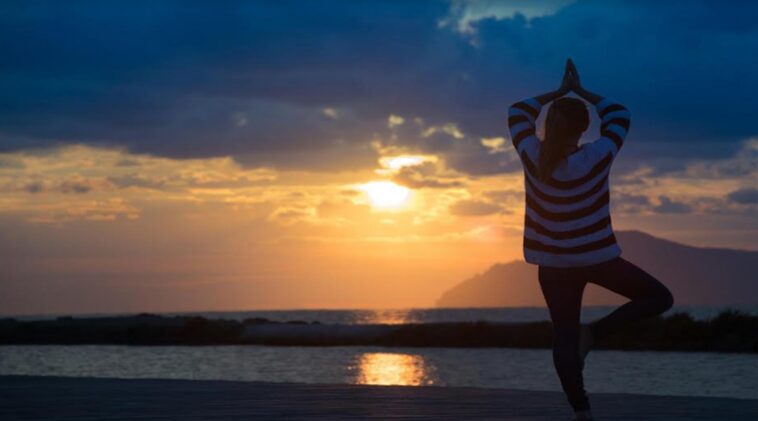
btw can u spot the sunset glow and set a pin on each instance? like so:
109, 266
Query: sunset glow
386, 194
359, 160
385, 368
397, 162
302, 199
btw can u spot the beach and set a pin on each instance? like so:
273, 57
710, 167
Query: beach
62, 398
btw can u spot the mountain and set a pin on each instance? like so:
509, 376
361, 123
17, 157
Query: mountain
695, 275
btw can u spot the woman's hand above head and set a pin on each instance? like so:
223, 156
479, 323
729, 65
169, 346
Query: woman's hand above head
576, 84
565, 88
573, 75
569, 81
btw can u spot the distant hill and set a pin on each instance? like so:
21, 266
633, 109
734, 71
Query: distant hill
695, 275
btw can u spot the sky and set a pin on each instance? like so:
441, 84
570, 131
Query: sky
179, 156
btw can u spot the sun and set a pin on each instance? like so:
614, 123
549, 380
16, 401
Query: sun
386, 194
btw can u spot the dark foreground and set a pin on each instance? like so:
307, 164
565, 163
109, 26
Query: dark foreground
65, 398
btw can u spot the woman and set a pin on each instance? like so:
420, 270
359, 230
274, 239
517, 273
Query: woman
567, 224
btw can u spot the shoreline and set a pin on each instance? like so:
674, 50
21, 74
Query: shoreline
731, 331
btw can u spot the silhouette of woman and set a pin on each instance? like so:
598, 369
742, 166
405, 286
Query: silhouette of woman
567, 224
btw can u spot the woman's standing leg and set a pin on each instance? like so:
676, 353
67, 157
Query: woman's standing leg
563, 295
649, 297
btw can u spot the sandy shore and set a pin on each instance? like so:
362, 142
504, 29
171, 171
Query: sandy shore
66, 398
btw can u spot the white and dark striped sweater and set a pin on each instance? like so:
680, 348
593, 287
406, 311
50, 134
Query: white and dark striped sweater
567, 221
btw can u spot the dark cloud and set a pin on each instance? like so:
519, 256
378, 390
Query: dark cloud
136, 180
631, 199
73, 186
629, 203
77, 186
127, 162
11, 163
473, 208
669, 206
502, 196
423, 176
747, 195
250, 79
34, 187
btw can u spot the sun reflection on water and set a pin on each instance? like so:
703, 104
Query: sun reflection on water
385, 368
390, 317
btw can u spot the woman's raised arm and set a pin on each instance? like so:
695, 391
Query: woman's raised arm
522, 115
615, 118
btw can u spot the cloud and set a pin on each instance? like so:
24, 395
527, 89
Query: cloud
425, 175
742, 164
138, 180
474, 208
505, 195
667, 205
494, 144
36, 185
460, 151
10, 163
330, 113
394, 120
195, 79
292, 215
465, 14
746, 195
92, 210
630, 203
77, 182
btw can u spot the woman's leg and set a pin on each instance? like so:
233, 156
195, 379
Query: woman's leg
563, 295
649, 297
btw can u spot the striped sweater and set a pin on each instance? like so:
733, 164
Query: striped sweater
567, 219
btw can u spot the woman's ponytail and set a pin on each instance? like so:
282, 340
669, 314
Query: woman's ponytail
566, 120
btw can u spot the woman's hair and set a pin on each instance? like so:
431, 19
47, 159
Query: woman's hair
566, 120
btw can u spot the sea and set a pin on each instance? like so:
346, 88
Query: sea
646, 372
410, 315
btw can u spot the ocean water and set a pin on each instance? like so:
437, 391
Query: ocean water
420, 315
646, 372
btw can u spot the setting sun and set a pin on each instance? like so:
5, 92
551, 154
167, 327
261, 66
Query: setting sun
386, 194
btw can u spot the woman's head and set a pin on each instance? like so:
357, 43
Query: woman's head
566, 120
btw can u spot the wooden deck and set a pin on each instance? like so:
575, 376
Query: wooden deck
64, 398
